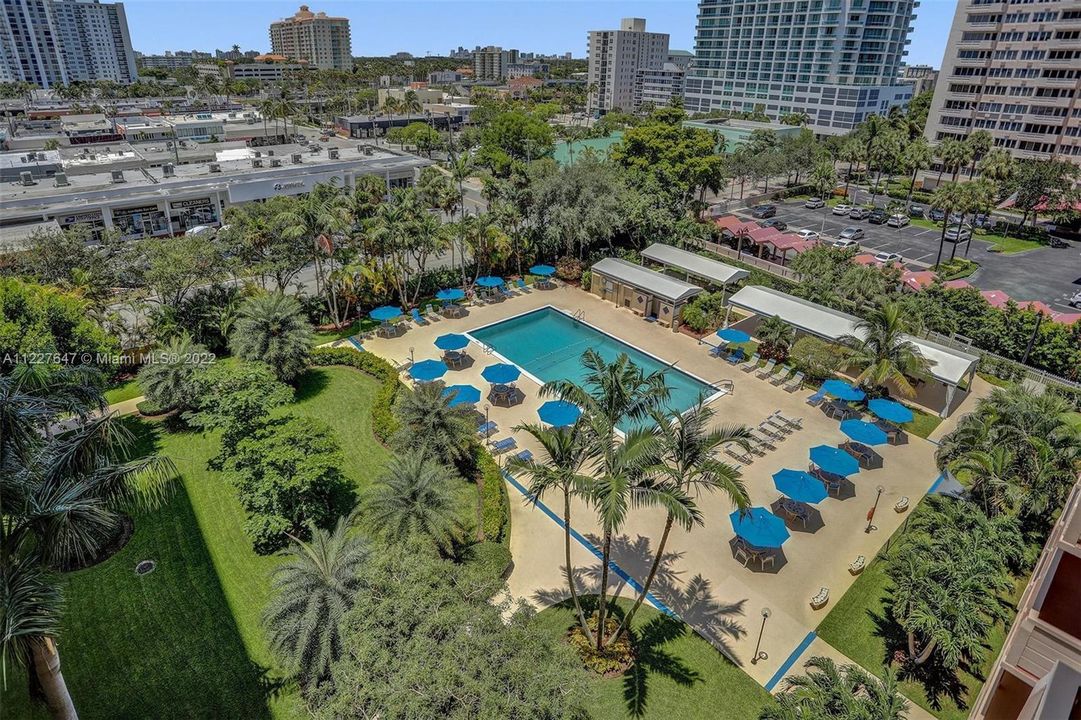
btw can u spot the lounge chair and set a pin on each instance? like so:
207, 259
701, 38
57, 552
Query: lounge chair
506, 292
779, 376
503, 445
777, 424
751, 364
771, 432
819, 601
757, 448
431, 312
415, 314
762, 438
520, 284
486, 429
356, 344
524, 457
767, 369
794, 423
817, 398
794, 383
736, 357
857, 566
901, 505
738, 453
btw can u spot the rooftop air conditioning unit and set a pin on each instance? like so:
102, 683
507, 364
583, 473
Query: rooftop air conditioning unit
275, 162
270, 153
41, 156
167, 170
214, 168
61, 179
256, 163
296, 158
332, 153
118, 176
258, 154
27, 178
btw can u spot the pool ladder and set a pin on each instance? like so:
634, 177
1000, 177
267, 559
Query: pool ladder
579, 314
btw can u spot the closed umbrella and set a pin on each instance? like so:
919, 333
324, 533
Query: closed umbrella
451, 341
842, 390
428, 370
800, 486
462, 395
733, 335
890, 411
759, 527
385, 313
834, 460
501, 373
559, 413
863, 432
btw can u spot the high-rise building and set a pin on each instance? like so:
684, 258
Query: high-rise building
834, 60
616, 56
1013, 69
317, 38
921, 77
490, 63
55, 42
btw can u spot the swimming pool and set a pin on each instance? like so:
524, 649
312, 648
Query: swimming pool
548, 344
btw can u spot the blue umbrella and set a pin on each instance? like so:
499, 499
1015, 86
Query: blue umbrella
450, 294
489, 281
759, 527
451, 341
890, 411
733, 335
385, 313
501, 373
428, 370
544, 270
559, 413
800, 486
842, 390
834, 460
863, 432
462, 395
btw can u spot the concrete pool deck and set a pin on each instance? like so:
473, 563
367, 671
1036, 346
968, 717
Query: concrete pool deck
700, 578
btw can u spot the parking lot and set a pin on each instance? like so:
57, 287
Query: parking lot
1048, 274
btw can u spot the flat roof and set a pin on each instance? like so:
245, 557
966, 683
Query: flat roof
947, 365
694, 264
647, 280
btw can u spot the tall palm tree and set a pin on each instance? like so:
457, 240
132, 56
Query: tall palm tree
827, 691
979, 142
414, 498
949, 199
272, 328
883, 352
990, 476
430, 424
776, 337
313, 590
917, 155
955, 154
996, 165
851, 153
461, 168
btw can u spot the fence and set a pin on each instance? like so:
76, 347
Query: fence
1030, 375
748, 259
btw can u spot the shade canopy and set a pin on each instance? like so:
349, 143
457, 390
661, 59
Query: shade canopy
842, 390
759, 527
863, 432
733, 335
559, 413
451, 341
462, 395
890, 411
648, 281
501, 373
800, 486
428, 370
450, 294
386, 312
693, 264
489, 281
544, 270
834, 460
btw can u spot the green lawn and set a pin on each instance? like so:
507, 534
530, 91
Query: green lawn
357, 326
679, 675
999, 243
124, 391
923, 424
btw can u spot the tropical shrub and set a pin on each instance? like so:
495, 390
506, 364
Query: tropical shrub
490, 560
428, 423
817, 359
705, 312
775, 336
167, 377
495, 506
568, 268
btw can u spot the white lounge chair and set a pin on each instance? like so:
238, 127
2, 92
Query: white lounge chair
762, 438
765, 370
779, 376
770, 432
795, 423
750, 364
819, 601
738, 453
857, 566
794, 383
778, 424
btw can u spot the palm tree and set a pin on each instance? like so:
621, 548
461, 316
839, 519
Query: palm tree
997, 165
955, 154
990, 475
824, 178
285, 108
775, 336
313, 590
978, 142
167, 381
461, 168
851, 152
414, 498
268, 108
826, 691
882, 351
916, 156
430, 424
948, 199
272, 328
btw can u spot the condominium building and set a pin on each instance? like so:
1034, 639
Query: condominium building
491, 63
1038, 674
320, 40
56, 42
171, 60
1013, 69
922, 78
657, 86
615, 57
835, 60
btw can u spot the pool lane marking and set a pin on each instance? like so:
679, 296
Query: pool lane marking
790, 661
623, 574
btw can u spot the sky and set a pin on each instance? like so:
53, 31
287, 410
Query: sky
383, 27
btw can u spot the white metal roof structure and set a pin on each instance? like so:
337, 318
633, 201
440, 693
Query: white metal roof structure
646, 280
947, 365
694, 264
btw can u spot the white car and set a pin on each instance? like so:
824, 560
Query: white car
814, 203
885, 258
807, 234
897, 221
1075, 301
842, 209
845, 243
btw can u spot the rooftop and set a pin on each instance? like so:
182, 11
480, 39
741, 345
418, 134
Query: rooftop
694, 264
645, 279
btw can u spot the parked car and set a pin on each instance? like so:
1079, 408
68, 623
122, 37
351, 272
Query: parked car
1057, 242
955, 218
958, 233
774, 223
916, 211
845, 243
1075, 301
851, 233
807, 234
763, 211
897, 221
842, 209
877, 217
983, 221
858, 213
886, 258
936, 215
814, 203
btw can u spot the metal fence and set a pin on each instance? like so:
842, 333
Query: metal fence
1030, 375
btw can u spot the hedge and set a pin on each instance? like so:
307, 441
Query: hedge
384, 424
489, 559
495, 506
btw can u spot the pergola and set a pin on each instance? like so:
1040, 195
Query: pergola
694, 265
948, 366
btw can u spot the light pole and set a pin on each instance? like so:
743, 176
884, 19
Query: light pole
761, 655
487, 432
410, 356
871, 514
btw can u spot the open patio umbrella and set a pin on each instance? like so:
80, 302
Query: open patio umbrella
385, 313
543, 270
863, 432
451, 341
462, 395
834, 460
450, 295
800, 486
842, 390
428, 370
489, 281
501, 373
559, 413
890, 411
759, 527
733, 335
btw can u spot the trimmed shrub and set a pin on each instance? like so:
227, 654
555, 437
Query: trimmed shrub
149, 408
495, 506
491, 560
587, 279
815, 358
384, 424
704, 312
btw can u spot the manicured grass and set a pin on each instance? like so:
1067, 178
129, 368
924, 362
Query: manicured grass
923, 424
359, 325
994, 380
679, 675
1009, 245
124, 391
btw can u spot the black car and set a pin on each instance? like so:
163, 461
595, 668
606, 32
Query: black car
878, 217
774, 223
1056, 242
764, 211
936, 215
915, 211
858, 213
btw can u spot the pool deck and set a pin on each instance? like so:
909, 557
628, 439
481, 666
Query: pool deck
700, 578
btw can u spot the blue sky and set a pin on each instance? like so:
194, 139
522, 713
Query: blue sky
381, 27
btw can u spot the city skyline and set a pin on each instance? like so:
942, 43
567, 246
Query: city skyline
540, 26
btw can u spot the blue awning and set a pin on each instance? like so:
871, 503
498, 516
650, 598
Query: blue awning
451, 341
842, 390
385, 313
501, 373
800, 486
890, 411
462, 395
559, 413
863, 432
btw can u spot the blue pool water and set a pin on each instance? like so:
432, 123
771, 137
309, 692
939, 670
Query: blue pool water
549, 344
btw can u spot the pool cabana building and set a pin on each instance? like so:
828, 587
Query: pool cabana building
692, 265
646, 292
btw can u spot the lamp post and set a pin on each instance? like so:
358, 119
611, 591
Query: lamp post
871, 515
487, 433
757, 646
410, 356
